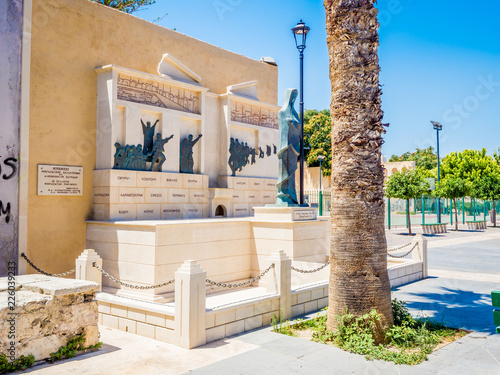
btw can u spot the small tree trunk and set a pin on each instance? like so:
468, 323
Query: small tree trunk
408, 216
494, 215
456, 214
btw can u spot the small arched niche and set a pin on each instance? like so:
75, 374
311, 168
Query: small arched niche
220, 211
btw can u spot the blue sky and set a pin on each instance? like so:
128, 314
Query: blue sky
440, 60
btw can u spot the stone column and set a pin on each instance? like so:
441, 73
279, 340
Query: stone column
282, 283
85, 269
190, 303
420, 254
11, 27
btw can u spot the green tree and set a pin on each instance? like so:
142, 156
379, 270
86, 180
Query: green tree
468, 165
407, 185
425, 159
452, 187
127, 6
317, 132
487, 187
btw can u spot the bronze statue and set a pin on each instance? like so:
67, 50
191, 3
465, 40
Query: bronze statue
289, 128
158, 149
120, 156
149, 132
186, 160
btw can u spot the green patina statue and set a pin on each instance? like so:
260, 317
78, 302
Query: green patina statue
288, 149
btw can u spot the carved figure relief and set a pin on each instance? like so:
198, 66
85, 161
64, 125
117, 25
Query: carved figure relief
139, 90
254, 115
149, 132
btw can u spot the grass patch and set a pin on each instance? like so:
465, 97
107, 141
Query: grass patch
409, 341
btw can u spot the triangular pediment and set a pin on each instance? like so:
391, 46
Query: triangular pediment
246, 89
172, 68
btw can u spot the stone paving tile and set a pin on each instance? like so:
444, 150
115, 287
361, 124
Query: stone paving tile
252, 362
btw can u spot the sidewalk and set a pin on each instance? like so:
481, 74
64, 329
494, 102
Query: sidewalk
463, 271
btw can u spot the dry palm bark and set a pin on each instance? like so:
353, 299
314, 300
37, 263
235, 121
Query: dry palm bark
359, 280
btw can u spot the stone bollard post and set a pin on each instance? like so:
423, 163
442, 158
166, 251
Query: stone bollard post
190, 303
420, 255
85, 270
282, 284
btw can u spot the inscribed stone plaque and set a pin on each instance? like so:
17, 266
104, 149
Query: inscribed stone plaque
304, 215
60, 180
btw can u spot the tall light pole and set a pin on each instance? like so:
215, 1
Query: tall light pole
300, 33
320, 159
437, 127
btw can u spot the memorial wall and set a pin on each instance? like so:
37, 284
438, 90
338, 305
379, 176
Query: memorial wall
101, 81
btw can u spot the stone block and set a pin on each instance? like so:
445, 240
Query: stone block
156, 195
270, 184
114, 177
165, 335
234, 328
171, 180
209, 320
239, 183
303, 297
251, 196
169, 322
225, 317
178, 196
127, 325
129, 195
117, 310
238, 196
268, 317
148, 212
267, 197
192, 181
145, 330
216, 333
137, 315
110, 321
240, 210
262, 307
253, 322
256, 183
148, 179
244, 312
298, 310
317, 293
171, 211
311, 306
322, 303
198, 196
106, 195
192, 211
155, 319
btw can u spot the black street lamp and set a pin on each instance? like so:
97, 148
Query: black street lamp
300, 33
438, 127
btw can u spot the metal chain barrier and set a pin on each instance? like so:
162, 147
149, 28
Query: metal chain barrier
46, 273
398, 248
405, 254
131, 286
225, 285
311, 271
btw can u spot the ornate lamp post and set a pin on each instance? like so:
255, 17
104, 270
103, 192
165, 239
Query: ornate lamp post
320, 159
300, 33
437, 127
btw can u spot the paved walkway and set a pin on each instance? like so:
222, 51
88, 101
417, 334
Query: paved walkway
463, 271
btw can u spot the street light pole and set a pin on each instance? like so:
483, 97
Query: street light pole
300, 33
438, 127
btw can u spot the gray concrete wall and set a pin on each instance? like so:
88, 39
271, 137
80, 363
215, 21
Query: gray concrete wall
11, 20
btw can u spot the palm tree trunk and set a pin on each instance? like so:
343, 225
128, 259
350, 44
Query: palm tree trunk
359, 280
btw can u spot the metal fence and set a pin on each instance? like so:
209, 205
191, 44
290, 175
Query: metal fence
422, 211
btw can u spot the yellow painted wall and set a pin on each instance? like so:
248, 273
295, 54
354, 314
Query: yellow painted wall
70, 38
